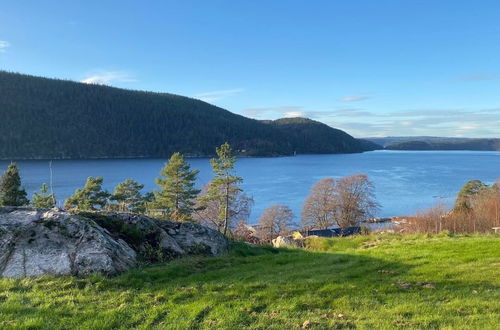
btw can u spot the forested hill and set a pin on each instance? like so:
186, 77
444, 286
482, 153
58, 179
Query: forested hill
470, 144
50, 118
437, 143
304, 131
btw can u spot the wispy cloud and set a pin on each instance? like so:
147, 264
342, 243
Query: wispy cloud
108, 77
490, 110
294, 114
353, 98
298, 111
4, 45
439, 122
217, 95
270, 112
340, 112
478, 77
406, 122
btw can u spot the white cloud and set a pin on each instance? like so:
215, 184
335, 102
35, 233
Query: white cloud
108, 77
270, 112
217, 95
299, 111
432, 122
359, 122
293, 114
353, 98
4, 45
468, 127
471, 123
406, 123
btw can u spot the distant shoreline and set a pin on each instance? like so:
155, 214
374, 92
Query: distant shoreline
239, 156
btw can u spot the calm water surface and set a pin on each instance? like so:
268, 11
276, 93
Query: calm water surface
405, 181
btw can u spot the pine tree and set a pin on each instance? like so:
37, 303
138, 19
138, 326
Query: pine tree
177, 196
223, 189
465, 198
91, 197
43, 200
128, 195
11, 192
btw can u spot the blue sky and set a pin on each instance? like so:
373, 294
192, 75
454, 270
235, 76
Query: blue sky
372, 68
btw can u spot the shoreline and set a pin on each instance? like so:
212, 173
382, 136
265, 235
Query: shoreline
14, 159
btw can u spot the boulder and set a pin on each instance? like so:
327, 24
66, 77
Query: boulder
167, 239
287, 241
34, 242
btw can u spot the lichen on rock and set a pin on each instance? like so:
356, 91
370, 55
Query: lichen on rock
34, 242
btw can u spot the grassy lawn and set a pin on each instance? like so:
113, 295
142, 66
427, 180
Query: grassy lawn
361, 282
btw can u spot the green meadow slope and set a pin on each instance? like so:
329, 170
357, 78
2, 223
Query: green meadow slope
361, 282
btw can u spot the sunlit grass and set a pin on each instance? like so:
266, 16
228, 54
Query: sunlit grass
416, 281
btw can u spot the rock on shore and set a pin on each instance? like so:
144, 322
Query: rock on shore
34, 242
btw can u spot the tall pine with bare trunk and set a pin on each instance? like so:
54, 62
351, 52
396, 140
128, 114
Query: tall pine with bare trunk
224, 188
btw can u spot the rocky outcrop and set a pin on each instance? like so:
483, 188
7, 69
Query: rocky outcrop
34, 242
167, 239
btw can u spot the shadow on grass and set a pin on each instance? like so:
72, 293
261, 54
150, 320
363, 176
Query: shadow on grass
257, 267
259, 286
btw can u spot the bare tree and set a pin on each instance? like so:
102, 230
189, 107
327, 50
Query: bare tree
209, 211
345, 202
355, 200
275, 221
245, 233
319, 208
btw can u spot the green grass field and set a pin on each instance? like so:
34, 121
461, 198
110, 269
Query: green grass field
417, 281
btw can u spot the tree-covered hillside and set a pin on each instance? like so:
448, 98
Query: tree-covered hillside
469, 144
309, 136
50, 118
436, 143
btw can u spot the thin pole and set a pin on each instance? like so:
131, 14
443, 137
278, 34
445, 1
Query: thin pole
51, 183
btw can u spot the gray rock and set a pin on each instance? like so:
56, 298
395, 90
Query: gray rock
194, 238
34, 242
171, 238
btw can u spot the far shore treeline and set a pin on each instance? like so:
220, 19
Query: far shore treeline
223, 205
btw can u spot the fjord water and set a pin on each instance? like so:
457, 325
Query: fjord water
405, 181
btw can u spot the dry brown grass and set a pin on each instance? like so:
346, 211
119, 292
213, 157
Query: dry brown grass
481, 219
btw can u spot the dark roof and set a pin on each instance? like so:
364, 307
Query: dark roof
336, 232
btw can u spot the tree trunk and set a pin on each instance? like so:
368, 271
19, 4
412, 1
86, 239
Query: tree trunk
226, 210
